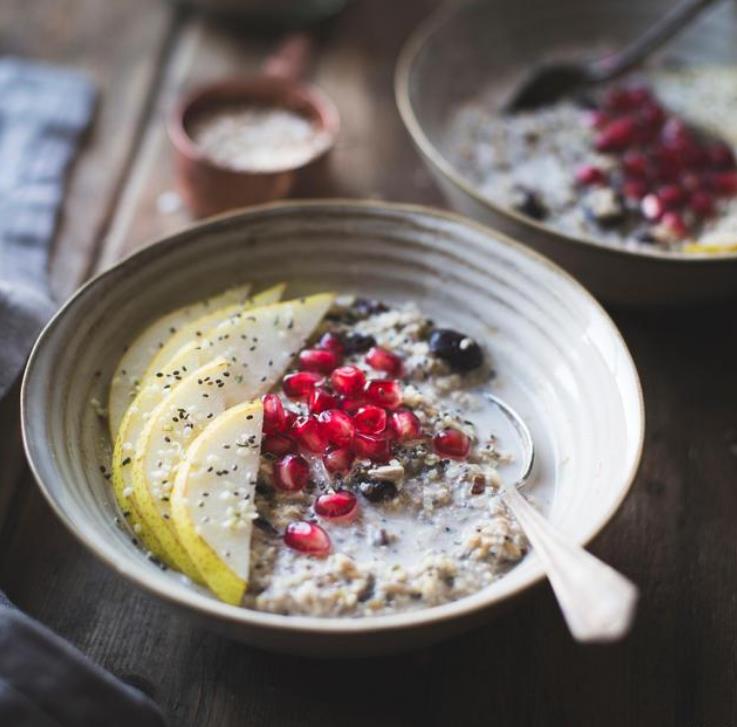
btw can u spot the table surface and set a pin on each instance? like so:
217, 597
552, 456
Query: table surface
674, 535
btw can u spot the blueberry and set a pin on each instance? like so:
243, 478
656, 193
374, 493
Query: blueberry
378, 490
366, 307
529, 203
459, 351
358, 343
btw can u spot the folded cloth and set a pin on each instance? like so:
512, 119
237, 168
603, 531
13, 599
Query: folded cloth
45, 682
43, 111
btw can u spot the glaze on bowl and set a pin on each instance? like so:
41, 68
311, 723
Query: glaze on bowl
559, 360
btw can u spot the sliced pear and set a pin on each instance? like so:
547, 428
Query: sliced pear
141, 351
213, 499
258, 345
173, 424
201, 326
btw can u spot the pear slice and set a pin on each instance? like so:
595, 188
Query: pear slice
141, 351
150, 392
213, 499
258, 345
201, 326
173, 424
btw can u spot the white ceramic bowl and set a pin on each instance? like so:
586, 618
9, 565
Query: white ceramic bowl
490, 45
560, 362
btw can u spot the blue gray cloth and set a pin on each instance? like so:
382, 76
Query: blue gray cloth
44, 681
43, 111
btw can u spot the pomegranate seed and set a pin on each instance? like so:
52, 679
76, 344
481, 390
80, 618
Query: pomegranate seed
348, 380
671, 195
369, 446
588, 175
691, 182
291, 473
652, 208
351, 405
405, 425
332, 342
652, 115
635, 164
321, 400
619, 99
384, 392
674, 222
299, 386
617, 135
307, 538
675, 131
278, 444
275, 418
382, 360
721, 156
338, 460
451, 443
319, 359
701, 203
725, 183
634, 189
338, 507
336, 427
308, 433
596, 119
370, 419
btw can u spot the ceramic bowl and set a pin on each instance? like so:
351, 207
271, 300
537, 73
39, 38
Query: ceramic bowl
559, 360
490, 45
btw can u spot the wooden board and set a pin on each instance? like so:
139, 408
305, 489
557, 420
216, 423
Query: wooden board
674, 535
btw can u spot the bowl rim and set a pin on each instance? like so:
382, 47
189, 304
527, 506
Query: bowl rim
405, 62
204, 606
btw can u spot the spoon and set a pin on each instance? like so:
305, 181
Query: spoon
548, 83
597, 602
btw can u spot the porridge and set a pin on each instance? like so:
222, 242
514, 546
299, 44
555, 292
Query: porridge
646, 164
320, 456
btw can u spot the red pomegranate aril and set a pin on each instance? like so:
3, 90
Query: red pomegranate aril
635, 164
596, 118
675, 130
370, 419
701, 204
309, 435
674, 222
291, 473
307, 538
321, 400
275, 418
671, 195
634, 189
721, 156
299, 385
338, 460
377, 448
384, 392
451, 443
589, 175
382, 360
626, 99
725, 183
278, 444
336, 427
348, 380
319, 359
617, 135
405, 425
652, 115
331, 342
652, 208
338, 507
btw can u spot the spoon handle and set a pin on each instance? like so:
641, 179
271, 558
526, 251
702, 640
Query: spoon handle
597, 602
650, 40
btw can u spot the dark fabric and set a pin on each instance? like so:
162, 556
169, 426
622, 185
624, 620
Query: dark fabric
46, 682
43, 111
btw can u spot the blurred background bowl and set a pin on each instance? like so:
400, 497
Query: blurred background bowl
469, 48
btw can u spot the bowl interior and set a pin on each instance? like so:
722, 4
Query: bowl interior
560, 362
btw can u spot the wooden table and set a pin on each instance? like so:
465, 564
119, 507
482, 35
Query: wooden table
675, 534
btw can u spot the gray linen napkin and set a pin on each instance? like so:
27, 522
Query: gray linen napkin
43, 111
44, 681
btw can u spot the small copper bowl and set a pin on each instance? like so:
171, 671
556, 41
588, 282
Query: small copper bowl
209, 187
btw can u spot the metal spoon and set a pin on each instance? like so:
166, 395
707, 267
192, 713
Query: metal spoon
548, 83
598, 603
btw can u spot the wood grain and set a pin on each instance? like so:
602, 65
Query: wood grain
674, 535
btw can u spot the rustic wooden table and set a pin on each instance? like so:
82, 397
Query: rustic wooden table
675, 534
